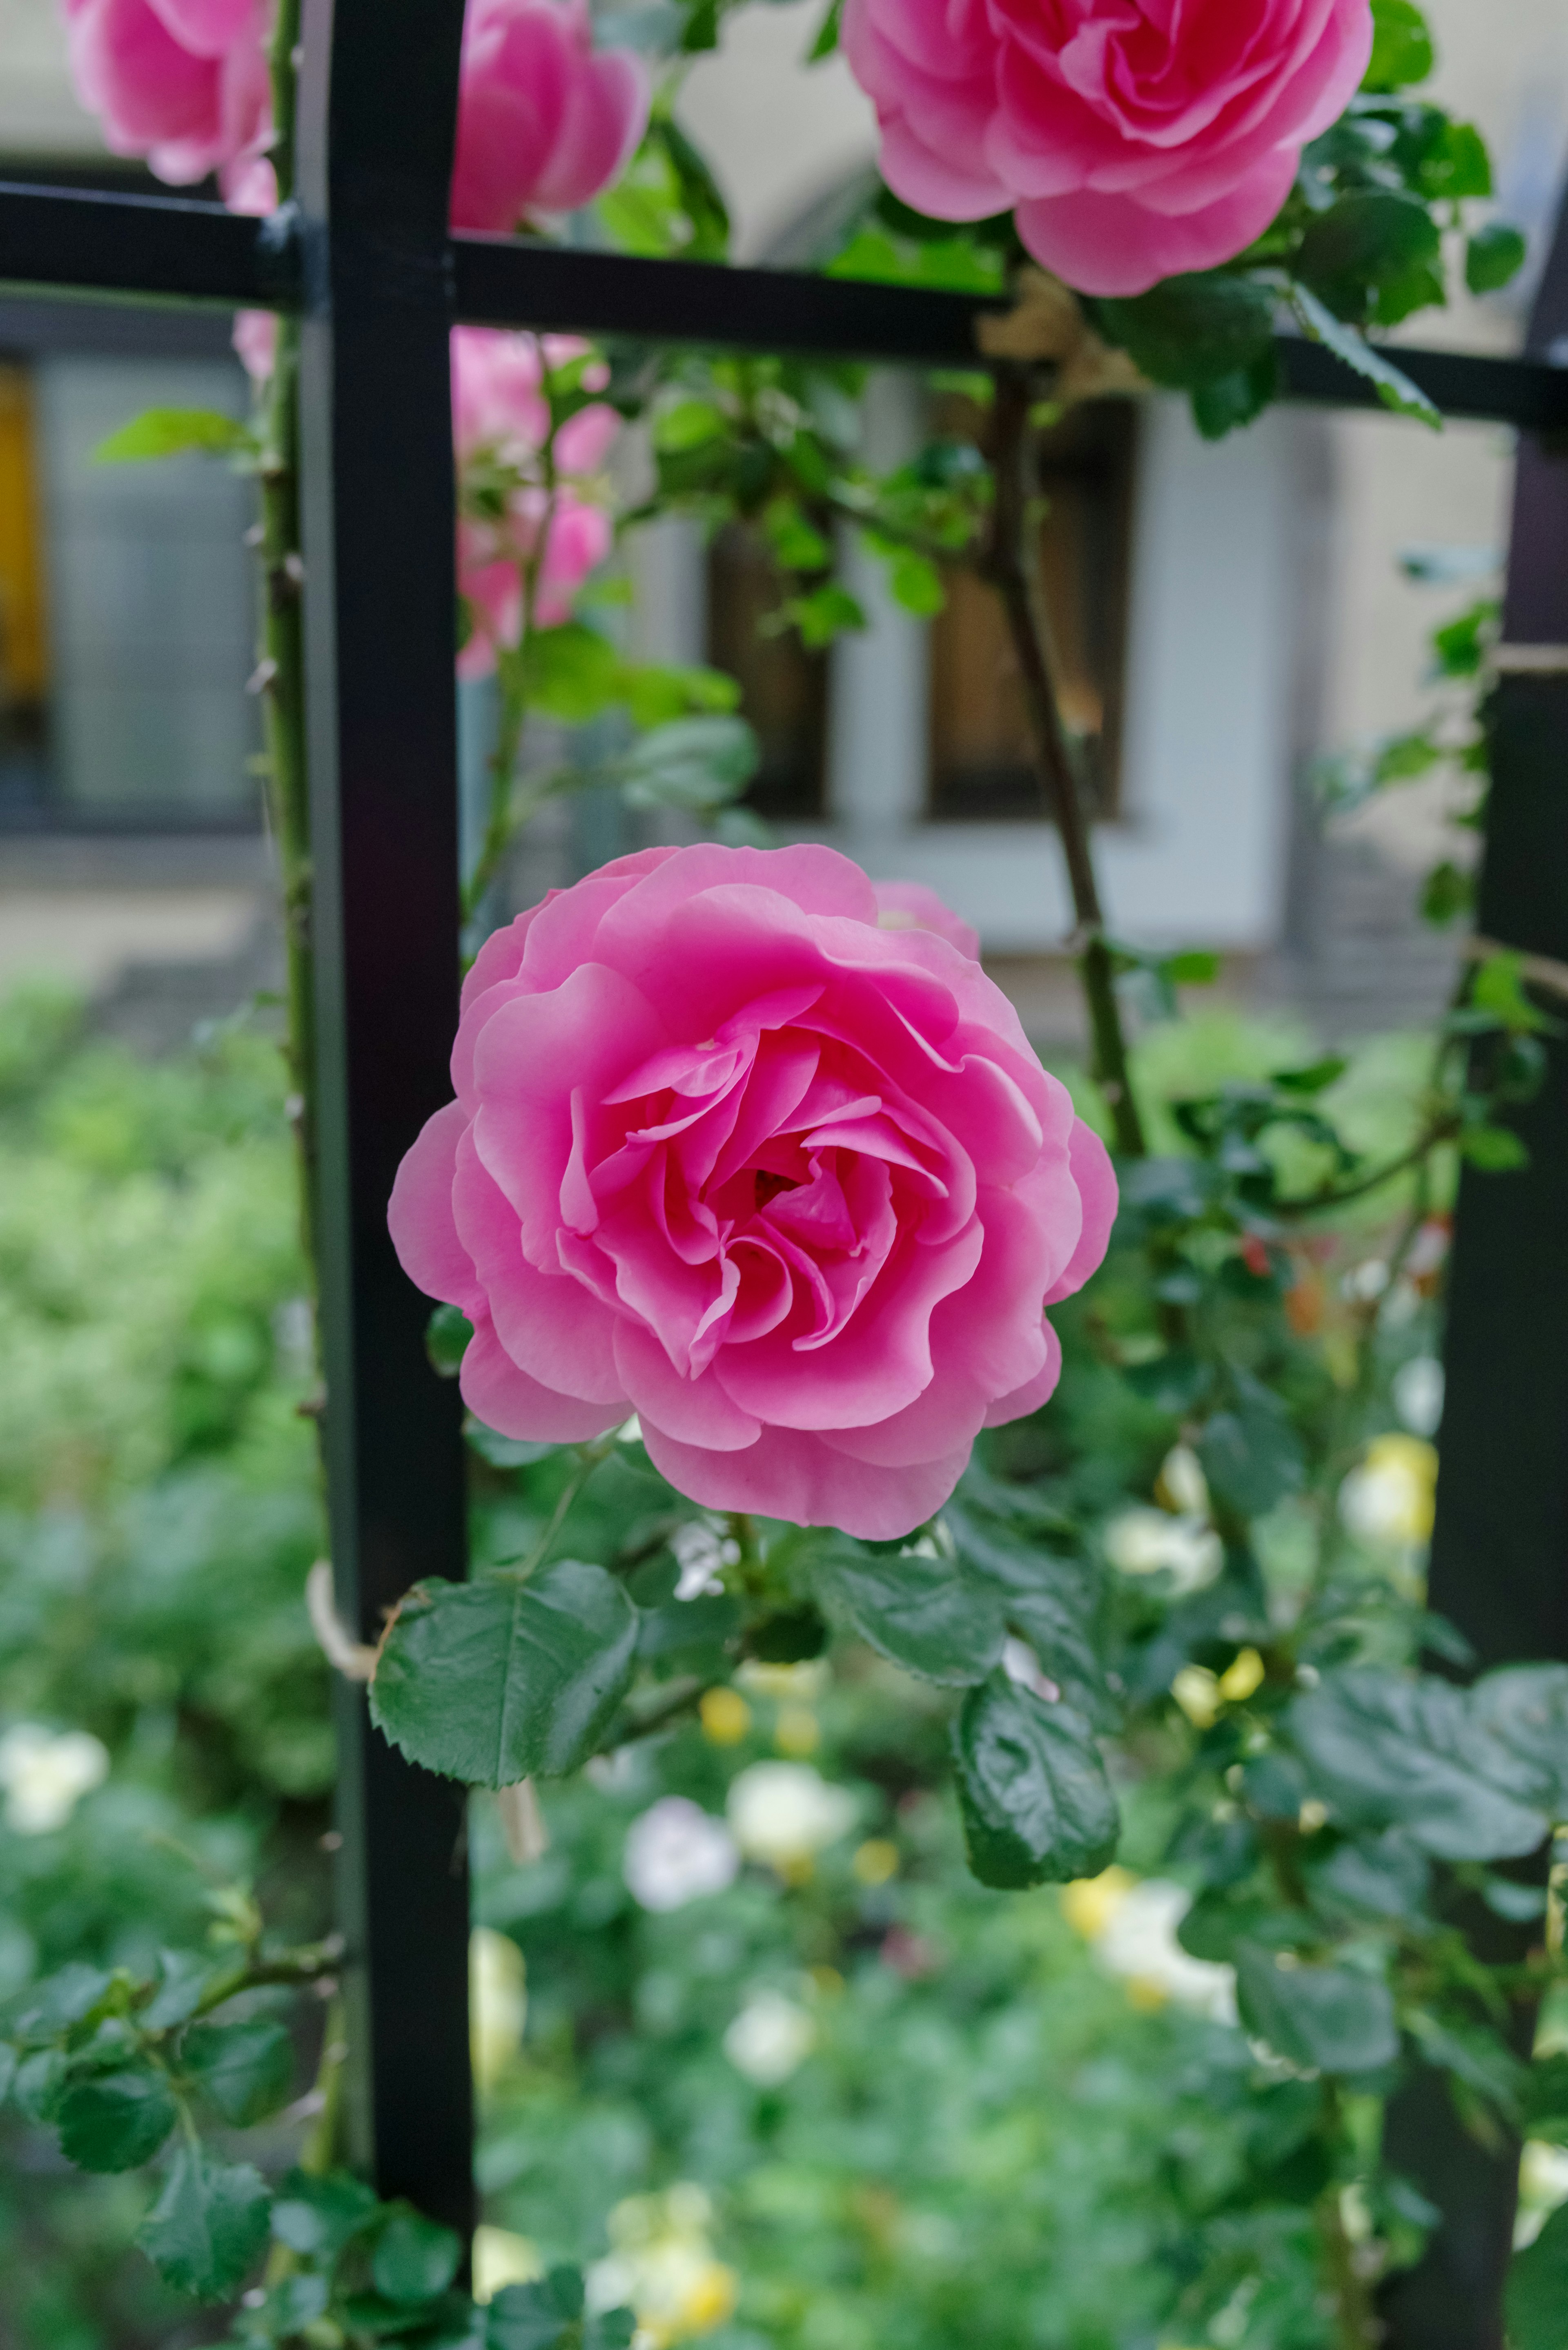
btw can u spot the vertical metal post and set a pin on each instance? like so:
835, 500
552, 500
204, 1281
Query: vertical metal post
378, 110
1500, 1553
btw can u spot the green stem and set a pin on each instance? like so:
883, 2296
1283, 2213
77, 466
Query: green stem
502, 817
1355, 2318
1004, 565
283, 677
588, 1458
307, 1964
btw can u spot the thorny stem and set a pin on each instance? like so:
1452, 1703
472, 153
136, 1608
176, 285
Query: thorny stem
281, 673
1004, 565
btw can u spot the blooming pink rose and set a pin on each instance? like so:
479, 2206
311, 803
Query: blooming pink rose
910, 906
790, 1187
490, 562
184, 82
1133, 139
544, 123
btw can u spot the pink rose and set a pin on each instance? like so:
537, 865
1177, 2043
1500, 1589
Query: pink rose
184, 82
500, 420
543, 122
792, 1188
1133, 139
910, 906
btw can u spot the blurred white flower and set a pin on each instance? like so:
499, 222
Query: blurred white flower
770, 2038
785, 1812
1152, 1541
1181, 1484
500, 2258
1418, 1394
675, 1852
1130, 1924
1542, 2186
789, 1684
46, 1774
701, 1552
1390, 1499
662, 2266
497, 2003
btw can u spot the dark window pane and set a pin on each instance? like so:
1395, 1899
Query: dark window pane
980, 765
783, 689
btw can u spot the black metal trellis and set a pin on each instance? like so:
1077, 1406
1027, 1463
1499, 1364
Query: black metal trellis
367, 259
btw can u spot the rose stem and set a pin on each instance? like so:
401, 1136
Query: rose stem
282, 667
1003, 564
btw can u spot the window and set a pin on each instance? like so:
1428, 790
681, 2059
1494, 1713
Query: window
784, 688
981, 759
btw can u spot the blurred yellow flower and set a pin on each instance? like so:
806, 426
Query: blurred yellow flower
497, 2004
1391, 1499
1197, 1692
797, 1732
726, 1716
1240, 1679
500, 2258
662, 2265
875, 1861
1089, 1903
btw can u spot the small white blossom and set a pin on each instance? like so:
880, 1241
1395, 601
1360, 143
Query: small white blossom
770, 2038
785, 1812
675, 1852
1140, 1943
1152, 1541
662, 2265
1021, 1664
1390, 1499
701, 1552
46, 1774
1418, 1394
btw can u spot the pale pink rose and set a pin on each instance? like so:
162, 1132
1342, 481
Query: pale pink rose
545, 121
256, 342
910, 906
792, 1188
491, 559
1134, 140
182, 82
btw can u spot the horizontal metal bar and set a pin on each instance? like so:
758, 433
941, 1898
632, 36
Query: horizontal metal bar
1469, 386
501, 281
163, 248
170, 248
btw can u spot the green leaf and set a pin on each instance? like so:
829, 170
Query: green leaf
1198, 329
1325, 2019
246, 2070
9, 2062
1410, 1753
825, 613
40, 2084
615, 2329
115, 2121
1226, 402
182, 1978
1037, 1805
447, 1333
1546, 2099
208, 2226
657, 692
696, 762
916, 585
688, 424
1194, 967
1251, 1454
1493, 256
1446, 894
536, 2316
414, 2258
1401, 47
316, 2216
569, 672
827, 40
1536, 2296
67, 1997
1393, 388
1048, 1600
169, 433
1495, 1149
503, 1451
925, 1614
1383, 1876
494, 1681
1525, 1709
1370, 237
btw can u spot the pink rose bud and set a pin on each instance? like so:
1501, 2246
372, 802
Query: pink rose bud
182, 82
544, 123
792, 1188
1133, 140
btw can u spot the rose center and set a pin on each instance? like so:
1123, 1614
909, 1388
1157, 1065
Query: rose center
768, 1187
